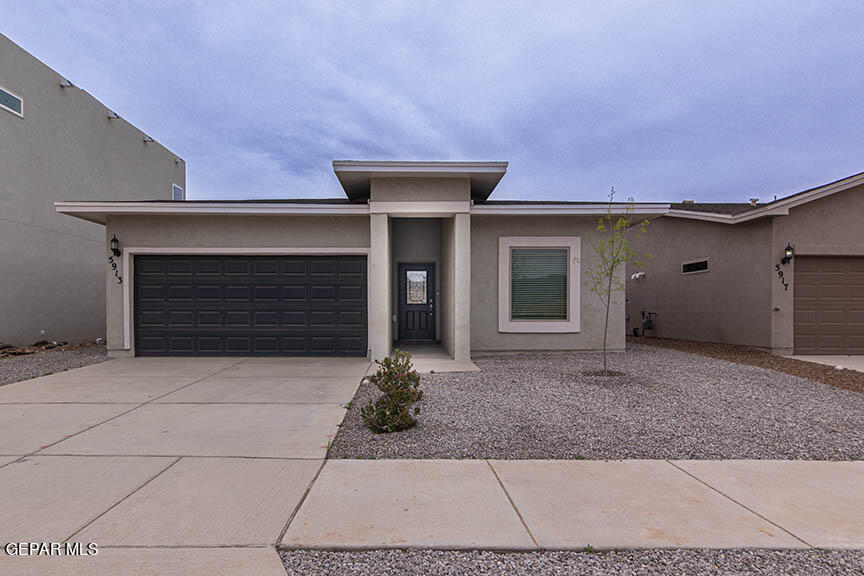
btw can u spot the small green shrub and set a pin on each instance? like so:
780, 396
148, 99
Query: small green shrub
400, 386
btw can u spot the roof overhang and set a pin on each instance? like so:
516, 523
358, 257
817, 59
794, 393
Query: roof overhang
99, 211
778, 207
355, 176
574, 209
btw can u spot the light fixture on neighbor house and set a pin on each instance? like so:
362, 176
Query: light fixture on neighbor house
65, 83
115, 246
148, 139
788, 254
113, 115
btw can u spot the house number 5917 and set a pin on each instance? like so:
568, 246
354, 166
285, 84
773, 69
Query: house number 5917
781, 276
115, 269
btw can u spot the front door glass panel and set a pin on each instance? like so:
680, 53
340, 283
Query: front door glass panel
415, 285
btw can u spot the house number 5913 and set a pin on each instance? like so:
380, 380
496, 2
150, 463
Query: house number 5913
115, 269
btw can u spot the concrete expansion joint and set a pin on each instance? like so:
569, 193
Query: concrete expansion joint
302, 500
768, 520
513, 504
142, 485
136, 407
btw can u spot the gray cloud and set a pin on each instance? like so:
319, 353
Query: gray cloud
666, 100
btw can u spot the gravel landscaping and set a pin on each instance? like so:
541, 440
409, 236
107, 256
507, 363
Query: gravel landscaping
668, 404
851, 379
641, 562
17, 368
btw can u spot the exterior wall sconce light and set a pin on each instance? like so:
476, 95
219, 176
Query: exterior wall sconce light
148, 139
788, 254
115, 246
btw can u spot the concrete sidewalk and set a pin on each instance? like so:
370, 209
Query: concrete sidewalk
202, 516
529, 505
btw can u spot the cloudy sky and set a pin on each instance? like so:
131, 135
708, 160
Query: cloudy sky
664, 100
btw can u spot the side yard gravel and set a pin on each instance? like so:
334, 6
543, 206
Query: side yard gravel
669, 404
851, 379
641, 562
17, 368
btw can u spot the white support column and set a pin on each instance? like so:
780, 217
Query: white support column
380, 338
462, 287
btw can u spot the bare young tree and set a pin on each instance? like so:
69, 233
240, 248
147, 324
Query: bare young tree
612, 249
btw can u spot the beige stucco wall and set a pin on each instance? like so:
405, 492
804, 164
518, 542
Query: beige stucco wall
729, 303
830, 226
64, 148
229, 232
407, 189
485, 231
415, 240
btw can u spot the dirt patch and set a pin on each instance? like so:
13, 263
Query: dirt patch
849, 379
38, 361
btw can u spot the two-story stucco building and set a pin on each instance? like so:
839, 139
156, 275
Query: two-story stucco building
57, 141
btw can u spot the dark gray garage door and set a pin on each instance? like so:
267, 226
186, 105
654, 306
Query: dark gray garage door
250, 305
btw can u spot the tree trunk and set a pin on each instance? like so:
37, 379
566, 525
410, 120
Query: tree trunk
606, 322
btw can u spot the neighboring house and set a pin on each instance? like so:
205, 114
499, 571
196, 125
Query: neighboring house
415, 253
57, 141
720, 273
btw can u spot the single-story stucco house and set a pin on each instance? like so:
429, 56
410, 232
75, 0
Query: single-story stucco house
416, 252
787, 275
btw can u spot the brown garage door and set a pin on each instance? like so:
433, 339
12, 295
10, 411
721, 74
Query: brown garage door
829, 305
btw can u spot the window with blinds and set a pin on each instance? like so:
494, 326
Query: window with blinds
538, 283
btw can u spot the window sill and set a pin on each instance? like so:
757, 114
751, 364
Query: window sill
564, 327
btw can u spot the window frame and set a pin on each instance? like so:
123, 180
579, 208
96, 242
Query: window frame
705, 271
573, 246
175, 187
14, 95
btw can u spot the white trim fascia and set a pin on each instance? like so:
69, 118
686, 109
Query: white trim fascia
567, 209
778, 208
433, 208
128, 279
97, 211
574, 271
419, 167
707, 216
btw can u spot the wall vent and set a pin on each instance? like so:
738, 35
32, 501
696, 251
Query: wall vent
695, 266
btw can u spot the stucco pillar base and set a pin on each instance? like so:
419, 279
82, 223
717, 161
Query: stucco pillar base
380, 337
462, 287
120, 353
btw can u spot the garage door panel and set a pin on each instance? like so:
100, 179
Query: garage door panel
324, 267
272, 305
181, 344
265, 268
829, 305
237, 267
322, 293
208, 267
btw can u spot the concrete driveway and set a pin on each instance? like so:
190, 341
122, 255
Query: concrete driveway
182, 452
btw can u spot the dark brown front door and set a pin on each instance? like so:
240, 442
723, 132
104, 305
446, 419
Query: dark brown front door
829, 305
417, 301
